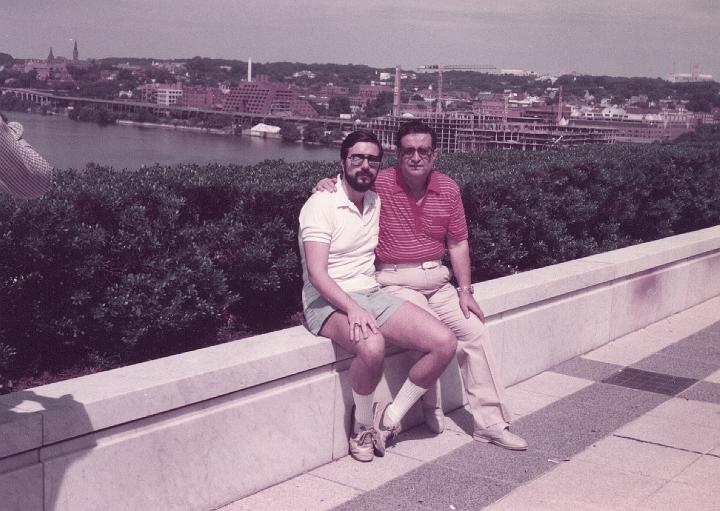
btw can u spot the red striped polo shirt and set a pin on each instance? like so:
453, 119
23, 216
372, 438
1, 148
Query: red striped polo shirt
414, 233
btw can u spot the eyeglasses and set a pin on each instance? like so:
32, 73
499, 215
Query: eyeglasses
357, 160
423, 152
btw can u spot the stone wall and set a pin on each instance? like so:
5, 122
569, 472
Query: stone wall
204, 428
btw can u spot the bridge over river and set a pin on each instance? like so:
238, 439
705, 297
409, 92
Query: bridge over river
243, 119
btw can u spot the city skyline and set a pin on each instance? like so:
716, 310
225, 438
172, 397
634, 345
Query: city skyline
604, 37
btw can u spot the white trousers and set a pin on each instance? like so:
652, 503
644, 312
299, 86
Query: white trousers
431, 290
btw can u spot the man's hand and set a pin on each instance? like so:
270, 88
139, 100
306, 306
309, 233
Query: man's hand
326, 184
361, 324
468, 305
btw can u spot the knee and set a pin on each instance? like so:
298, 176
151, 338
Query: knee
447, 344
372, 350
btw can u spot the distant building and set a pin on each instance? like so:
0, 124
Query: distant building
367, 92
694, 76
167, 95
306, 74
108, 74
331, 90
267, 98
160, 93
52, 68
516, 72
146, 92
168, 66
715, 114
265, 131
638, 125
470, 132
201, 97
372, 91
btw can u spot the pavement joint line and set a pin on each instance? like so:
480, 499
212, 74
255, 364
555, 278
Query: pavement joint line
335, 482
662, 445
407, 456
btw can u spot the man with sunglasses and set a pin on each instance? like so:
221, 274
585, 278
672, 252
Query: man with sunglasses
422, 215
341, 299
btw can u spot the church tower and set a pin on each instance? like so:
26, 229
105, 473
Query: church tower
51, 57
75, 52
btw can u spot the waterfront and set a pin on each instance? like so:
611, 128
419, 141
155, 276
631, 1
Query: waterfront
66, 143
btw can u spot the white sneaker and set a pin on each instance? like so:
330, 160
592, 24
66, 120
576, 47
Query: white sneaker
383, 433
362, 444
434, 419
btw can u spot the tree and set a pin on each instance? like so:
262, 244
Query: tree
313, 133
335, 135
218, 121
289, 132
339, 105
6, 60
381, 105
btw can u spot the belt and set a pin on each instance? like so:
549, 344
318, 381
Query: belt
426, 265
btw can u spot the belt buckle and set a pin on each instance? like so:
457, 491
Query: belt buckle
429, 265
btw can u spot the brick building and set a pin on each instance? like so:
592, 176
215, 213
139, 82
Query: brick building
267, 98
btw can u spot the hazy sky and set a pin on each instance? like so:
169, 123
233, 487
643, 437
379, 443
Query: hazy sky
614, 37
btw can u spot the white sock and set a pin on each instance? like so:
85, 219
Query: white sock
408, 395
363, 410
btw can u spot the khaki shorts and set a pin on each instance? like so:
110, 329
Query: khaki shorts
378, 303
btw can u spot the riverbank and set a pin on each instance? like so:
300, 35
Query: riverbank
67, 143
180, 127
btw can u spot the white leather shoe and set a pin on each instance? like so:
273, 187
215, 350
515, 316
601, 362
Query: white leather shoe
502, 437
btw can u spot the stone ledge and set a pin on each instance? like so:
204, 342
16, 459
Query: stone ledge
54, 413
514, 291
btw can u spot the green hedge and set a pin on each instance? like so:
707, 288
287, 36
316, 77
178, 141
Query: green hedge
117, 267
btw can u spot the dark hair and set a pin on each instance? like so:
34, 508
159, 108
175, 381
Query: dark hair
359, 136
415, 126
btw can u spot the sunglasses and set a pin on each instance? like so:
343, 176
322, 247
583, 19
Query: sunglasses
357, 160
423, 152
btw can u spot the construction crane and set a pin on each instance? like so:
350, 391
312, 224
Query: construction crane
439, 68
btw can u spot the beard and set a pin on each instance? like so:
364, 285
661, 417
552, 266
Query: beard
362, 181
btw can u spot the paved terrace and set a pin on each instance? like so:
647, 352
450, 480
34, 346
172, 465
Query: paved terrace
634, 424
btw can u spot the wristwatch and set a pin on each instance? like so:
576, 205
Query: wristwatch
465, 289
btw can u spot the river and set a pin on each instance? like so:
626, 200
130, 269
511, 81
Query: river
66, 143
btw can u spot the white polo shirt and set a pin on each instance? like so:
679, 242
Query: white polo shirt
332, 218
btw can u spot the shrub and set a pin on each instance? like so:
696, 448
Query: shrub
115, 267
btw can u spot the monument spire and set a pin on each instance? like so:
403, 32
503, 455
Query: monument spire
75, 52
51, 57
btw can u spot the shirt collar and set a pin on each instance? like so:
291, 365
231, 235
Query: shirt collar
343, 201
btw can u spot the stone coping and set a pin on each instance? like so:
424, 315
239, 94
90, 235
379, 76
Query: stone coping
522, 289
52, 413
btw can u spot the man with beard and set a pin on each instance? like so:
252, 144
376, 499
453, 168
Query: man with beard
422, 216
341, 300
24, 174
